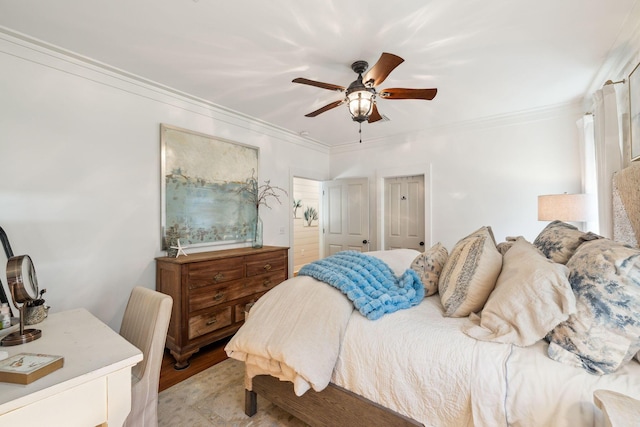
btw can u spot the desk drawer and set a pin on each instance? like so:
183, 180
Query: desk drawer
87, 403
209, 322
215, 272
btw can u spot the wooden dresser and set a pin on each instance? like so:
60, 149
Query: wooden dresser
211, 290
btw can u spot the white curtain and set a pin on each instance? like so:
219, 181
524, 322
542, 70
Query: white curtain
587, 152
608, 153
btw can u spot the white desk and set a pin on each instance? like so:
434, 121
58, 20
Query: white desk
94, 386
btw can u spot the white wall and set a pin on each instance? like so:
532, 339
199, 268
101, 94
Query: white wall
483, 173
80, 172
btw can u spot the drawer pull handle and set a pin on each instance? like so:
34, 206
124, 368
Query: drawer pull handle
218, 277
218, 296
212, 321
266, 283
267, 267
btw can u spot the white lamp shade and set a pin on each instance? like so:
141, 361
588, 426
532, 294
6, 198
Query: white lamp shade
566, 207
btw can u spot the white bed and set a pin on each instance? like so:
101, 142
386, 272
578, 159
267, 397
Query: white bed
425, 365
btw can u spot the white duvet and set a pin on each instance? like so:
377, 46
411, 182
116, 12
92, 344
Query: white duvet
415, 361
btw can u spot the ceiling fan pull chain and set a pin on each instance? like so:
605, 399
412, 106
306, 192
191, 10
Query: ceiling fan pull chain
360, 132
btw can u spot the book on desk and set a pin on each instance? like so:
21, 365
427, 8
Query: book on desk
24, 368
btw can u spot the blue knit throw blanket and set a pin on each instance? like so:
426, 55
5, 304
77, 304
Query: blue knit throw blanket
368, 282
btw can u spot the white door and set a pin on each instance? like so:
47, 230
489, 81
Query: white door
346, 215
404, 212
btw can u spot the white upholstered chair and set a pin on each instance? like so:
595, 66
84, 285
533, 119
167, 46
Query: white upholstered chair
145, 324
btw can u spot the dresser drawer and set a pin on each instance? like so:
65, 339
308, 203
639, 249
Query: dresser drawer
244, 306
211, 296
264, 263
215, 272
208, 322
264, 282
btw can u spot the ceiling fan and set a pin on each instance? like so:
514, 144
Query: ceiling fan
361, 94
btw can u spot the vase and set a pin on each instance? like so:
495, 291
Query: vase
257, 235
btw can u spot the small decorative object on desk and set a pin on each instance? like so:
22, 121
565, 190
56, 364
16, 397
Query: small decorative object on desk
25, 368
259, 195
35, 311
5, 316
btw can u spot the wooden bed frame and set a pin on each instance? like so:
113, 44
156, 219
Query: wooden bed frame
330, 407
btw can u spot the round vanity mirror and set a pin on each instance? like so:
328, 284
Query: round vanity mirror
21, 276
23, 284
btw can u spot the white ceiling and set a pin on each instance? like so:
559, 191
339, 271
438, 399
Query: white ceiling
486, 57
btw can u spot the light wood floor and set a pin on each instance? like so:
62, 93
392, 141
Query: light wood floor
203, 359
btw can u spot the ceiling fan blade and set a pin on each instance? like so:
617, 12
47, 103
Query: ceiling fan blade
325, 108
329, 86
385, 65
375, 115
398, 93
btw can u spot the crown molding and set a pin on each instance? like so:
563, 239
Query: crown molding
571, 110
30, 49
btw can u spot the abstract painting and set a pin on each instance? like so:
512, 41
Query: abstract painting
202, 182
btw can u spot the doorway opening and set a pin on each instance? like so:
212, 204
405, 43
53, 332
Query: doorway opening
306, 221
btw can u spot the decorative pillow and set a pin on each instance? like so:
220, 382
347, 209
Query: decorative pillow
428, 265
558, 241
470, 274
532, 295
604, 333
503, 247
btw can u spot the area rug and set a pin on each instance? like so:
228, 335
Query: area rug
215, 397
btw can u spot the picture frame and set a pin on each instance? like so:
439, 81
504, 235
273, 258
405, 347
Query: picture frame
634, 113
202, 182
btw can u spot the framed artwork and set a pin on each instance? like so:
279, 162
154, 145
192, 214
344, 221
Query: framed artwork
203, 177
634, 112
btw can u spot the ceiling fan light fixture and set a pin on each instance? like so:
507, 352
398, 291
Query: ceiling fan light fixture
360, 104
360, 96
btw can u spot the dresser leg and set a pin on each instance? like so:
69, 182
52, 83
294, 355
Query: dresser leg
182, 360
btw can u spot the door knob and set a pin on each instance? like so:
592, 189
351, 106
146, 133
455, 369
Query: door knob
365, 241
421, 243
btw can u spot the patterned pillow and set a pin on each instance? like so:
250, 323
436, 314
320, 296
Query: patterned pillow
532, 296
604, 333
470, 274
428, 265
559, 240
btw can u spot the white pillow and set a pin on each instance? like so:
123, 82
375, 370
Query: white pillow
470, 274
532, 296
429, 265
